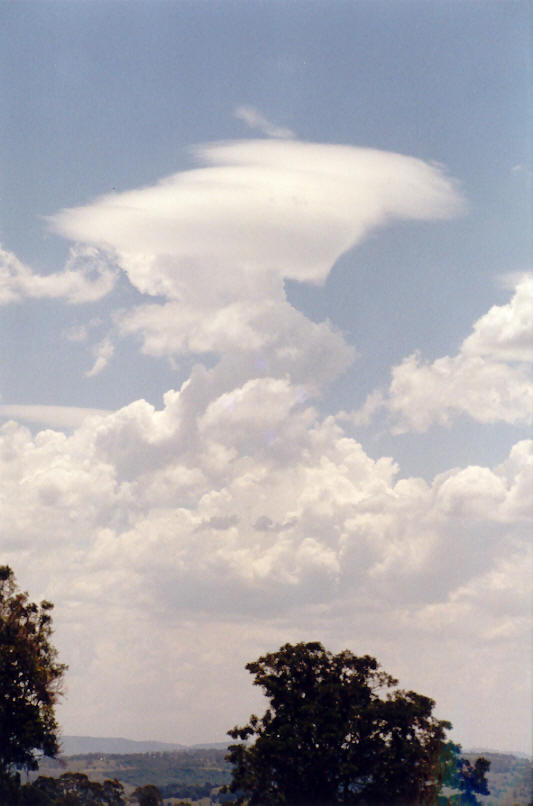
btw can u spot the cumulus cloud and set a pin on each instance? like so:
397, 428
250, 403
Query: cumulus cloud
506, 331
247, 504
247, 458
265, 337
217, 242
489, 379
422, 394
87, 277
183, 541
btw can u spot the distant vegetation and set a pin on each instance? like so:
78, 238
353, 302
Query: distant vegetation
191, 775
510, 780
80, 745
337, 731
188, 774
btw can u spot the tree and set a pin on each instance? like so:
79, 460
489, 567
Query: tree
72, 789
148, 795
30, 681
337, 730
472, 779
463, 780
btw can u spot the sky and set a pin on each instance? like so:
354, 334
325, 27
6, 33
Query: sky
266, 309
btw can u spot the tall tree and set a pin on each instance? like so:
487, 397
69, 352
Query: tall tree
30, 680
337, 730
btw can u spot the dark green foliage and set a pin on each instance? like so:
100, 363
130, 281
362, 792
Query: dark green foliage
30, 681
510, 780
9, 787
472, 779
72, 789
193, 773
148, 795
189, 791
462, 779
337, 730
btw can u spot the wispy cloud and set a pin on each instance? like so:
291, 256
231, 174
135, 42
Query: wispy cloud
87, 277
255, 120
522, 168
53, 416
80, 332
103, 353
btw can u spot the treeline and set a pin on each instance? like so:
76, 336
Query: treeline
75, 789
510, 780
197, 774
190, 774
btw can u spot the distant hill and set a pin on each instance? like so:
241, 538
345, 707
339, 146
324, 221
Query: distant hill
186, 773
198, 772
81, 745
510, 778
470, 751
210, 746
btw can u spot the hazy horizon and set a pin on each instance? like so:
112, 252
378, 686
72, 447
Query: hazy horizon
207, 743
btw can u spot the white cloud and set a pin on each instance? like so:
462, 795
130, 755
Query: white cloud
103, 352
374, 402
488, 379
506, 331
488, 391
182, 542
522, 168
256, 338
218, 241
53, 416
493, 606
244, 502
76, 333
471, 492
254, 455
80, 332
255, 120
87, 277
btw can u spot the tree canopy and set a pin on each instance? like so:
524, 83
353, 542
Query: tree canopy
148, 795
337, 730
72, 789
467, 779
30, 680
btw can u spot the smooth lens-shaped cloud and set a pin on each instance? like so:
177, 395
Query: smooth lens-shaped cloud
285, 207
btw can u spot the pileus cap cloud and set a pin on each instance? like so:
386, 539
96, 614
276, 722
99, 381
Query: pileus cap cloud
218, 241
285, 208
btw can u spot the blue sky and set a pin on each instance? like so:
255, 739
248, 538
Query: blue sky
337, 266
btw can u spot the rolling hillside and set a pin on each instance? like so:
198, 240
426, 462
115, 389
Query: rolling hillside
195, 773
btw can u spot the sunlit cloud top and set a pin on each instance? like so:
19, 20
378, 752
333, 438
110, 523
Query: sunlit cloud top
284, 208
